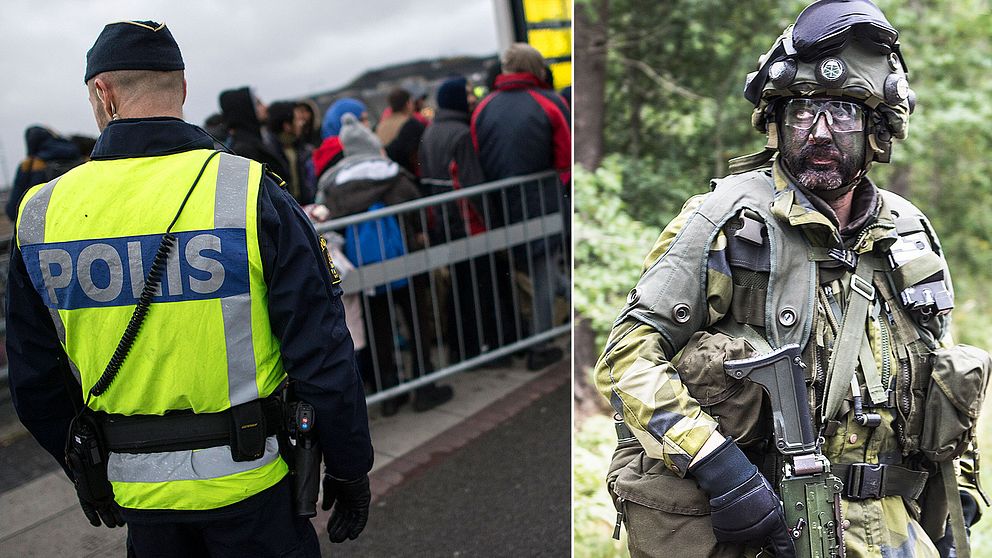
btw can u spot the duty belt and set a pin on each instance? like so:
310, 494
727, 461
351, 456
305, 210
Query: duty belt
186, 430
865, 480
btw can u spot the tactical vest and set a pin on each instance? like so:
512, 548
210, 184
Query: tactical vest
776, 283
88, 239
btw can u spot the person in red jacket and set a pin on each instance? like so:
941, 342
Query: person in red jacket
521, 128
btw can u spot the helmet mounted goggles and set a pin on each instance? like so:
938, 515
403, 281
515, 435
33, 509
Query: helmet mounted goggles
839, 49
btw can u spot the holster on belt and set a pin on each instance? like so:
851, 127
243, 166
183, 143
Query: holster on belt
86, 457
304, 468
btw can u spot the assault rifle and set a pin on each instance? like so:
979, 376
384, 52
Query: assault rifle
810, 494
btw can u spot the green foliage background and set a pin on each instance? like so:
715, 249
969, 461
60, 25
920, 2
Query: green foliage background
675, 113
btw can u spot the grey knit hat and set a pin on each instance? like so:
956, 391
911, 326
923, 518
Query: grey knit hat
356, 138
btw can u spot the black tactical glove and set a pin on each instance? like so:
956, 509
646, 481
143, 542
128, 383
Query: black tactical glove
351, 501
945, 545
744, 508
105, 513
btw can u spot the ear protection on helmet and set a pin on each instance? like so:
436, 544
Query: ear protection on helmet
837, 48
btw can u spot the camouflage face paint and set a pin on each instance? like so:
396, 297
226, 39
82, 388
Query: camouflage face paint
822, 159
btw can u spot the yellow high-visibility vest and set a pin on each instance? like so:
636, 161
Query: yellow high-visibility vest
88, 240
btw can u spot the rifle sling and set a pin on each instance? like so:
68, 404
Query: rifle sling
847, 346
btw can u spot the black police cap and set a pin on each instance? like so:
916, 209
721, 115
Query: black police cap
134, 45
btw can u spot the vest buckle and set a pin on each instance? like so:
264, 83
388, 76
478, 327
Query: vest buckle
862, 287
847, 257
864, 481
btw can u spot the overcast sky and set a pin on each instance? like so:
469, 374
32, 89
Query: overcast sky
283, 49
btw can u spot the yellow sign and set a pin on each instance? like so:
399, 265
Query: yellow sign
549, 30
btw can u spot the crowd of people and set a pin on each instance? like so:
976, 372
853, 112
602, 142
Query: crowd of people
345, 164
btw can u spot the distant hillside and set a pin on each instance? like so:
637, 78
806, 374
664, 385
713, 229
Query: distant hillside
420, 76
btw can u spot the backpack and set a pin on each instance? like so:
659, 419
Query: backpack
374, 241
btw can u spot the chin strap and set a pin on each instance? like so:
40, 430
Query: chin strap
760, 159
830, 195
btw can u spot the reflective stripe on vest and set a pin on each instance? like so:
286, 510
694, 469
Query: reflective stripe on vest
207, 463
31, 230
229, 212
88, 240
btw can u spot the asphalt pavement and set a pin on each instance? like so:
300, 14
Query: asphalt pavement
21, 461
505, 493
486, 474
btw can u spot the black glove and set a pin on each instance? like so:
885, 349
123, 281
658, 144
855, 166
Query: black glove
105, 513
744, 507
945, 545
351, 501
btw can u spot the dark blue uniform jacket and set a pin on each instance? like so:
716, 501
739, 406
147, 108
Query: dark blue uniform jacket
304, 308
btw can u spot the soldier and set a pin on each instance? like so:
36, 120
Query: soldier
799, 246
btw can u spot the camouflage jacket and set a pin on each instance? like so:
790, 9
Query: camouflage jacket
672, 410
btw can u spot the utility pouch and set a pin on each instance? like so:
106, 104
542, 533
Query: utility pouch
740, 407
918, 270
248, 431
86, 456
662, 511
954, 400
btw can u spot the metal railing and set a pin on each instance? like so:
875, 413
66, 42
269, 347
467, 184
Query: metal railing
478, 280
475, 281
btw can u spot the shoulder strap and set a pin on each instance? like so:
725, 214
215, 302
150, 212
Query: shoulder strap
851, 337
956, 513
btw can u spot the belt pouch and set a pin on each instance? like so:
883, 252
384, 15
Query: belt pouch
248, 431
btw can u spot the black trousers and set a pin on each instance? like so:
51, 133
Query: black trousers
260, 526
473, 312
382, 329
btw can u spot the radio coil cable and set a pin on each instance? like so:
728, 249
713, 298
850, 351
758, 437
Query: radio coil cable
152, 282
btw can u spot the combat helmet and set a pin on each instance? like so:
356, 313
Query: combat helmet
838, 48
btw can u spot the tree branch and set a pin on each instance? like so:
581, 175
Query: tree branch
664, 81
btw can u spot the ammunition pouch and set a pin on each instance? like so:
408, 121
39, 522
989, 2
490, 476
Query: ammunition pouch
863, 481
243, 427
954, 400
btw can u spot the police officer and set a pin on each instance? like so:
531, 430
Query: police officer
203, 285
799, 246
